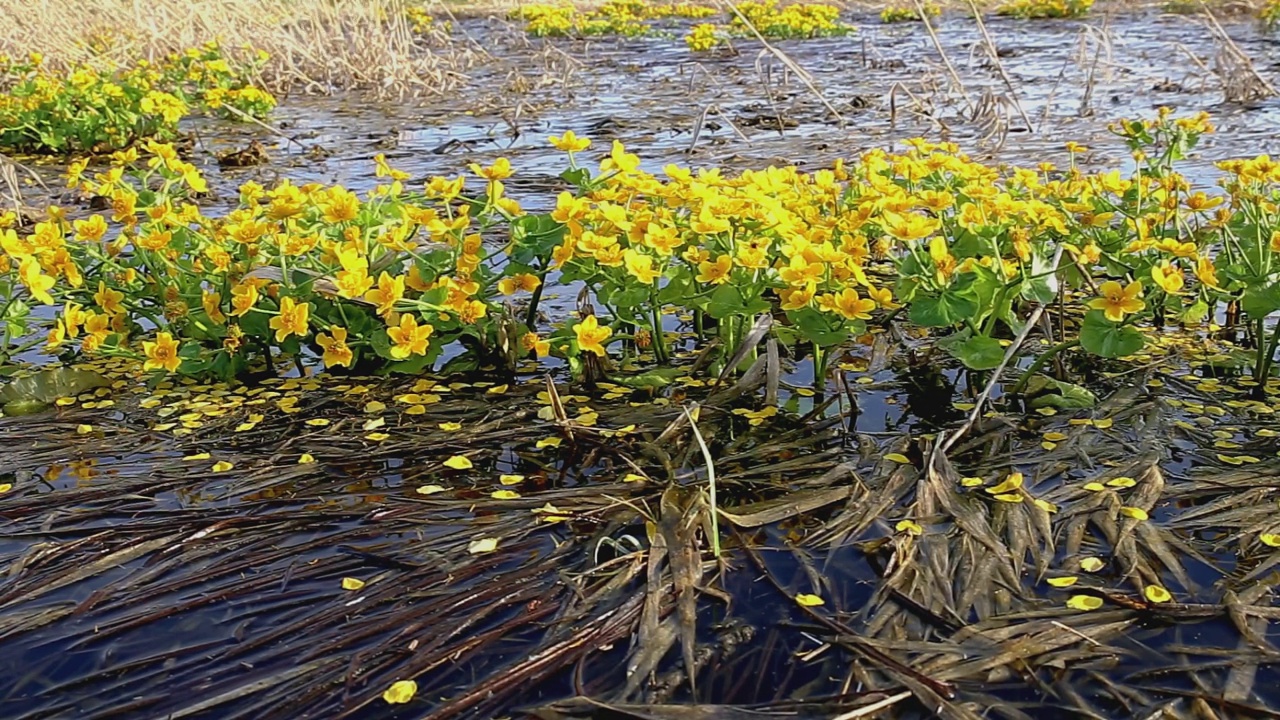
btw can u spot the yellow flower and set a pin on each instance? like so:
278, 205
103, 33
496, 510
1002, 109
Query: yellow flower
162, 354
909, 226
640, 266
796, 299
409, 337
92, 229
716, 272
243, 298
1117, 300
569, 142
339, 205
943, 261
109, 300
591, 335
520, 282
499, 170
37, 282
335, 347
847, 304
292, 319
389, 291
882, 297
1168, 277
211, 301
531, 341
1206, 272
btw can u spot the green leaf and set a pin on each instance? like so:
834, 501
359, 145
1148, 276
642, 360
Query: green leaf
815, 327
944, 310
1102, 337
1260, 301
1044, 391
1042, 284
978, 353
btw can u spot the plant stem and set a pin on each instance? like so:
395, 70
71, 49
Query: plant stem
1039, 362
1272, 342
531, 318
659, 339
819, 370
711, 482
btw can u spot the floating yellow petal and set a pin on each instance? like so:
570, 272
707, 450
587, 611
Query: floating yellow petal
898, 458
1270, 539
1062, 582
1095, 487
510, 479
908, 527
198, 456
377, 436
807, 600
549, 442
483, 545
1091, 564
350, 583
1084, 602
1122, 482
971, 481
429, 489
221, 466
458, 462
1157, 594
5, 487
450, 426
1013, 482
400, 692
1134, 512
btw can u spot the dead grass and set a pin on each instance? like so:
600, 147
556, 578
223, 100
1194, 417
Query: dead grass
316, 46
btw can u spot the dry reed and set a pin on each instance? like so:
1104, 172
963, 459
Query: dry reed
315, 46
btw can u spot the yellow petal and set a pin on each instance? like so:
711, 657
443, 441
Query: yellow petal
1013, 482
450, 426
549, 442
375, 406
908, 527
401, 691
497, 390
306, 459
1104, 423
1095, 487
198, 456
504, 495
1270, 539
1063, 582
1045, 505
429, 489
632, 477
221, 466
5, 487
1084, 602
971, 481
807, 600
1122, 482
1009, 497
1055, 436
1134, 512
1091, 564
1048, 445
483, 545
1157, 594
319, 422
458, 462
84, 429
377, 436
898, 458
510, 479
350, 583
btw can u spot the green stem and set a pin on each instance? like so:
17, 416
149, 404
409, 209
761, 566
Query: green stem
531, 318
819, 370
659, 339
1039, 362
1264, 368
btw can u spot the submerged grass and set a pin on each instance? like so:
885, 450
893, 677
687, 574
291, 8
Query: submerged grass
569, 561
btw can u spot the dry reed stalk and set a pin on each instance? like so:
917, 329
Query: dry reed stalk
314, 45
786, 60
951, 70
994, 54
1240, 79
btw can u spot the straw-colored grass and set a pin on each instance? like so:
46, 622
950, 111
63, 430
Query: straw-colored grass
315, 45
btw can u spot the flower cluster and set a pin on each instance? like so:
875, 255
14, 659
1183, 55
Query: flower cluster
390, 279
616, 17
908, 13
89, 110
1036, 9
798, 20
703, 37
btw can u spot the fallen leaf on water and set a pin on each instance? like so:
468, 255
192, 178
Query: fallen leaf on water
1084, 602
1134, 512
458, 462
400, 692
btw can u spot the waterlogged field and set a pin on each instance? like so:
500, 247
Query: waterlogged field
658, 360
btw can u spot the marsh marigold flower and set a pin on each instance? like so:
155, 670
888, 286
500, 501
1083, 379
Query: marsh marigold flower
335, 347
292, 319
569, 142
409, 338
1168, 277
591, 335
161, 354
1118, 300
